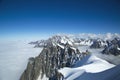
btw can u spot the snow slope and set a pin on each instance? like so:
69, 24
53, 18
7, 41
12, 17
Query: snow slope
89, 68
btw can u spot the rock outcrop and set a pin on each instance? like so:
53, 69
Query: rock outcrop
56, 39
98, 43
113, 47
53, 57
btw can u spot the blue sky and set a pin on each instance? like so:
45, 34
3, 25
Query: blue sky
41, 18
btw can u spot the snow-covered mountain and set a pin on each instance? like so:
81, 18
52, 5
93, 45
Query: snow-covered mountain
61, 59
98, 43
61, 39
91, 68
80, 39
59, 52
107, 36
113, 47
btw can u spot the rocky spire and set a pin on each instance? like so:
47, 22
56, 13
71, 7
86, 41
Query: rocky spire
53, 57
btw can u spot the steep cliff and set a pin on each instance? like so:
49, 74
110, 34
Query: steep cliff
53, 57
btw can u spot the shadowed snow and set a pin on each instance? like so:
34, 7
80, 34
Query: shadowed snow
89, 65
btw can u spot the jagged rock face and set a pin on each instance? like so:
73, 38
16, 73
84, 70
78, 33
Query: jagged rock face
50, 60
55, 39
113, 47
81, 39
33, 69
98, 44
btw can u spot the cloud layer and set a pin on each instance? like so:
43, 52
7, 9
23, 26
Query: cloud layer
14, 57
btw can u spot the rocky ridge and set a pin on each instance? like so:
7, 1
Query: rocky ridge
61, 51
57, 53
113, 47
93, 40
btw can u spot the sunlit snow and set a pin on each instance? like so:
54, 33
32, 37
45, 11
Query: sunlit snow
90, 64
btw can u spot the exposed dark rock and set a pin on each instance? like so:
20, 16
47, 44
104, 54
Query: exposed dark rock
56, 39
113, 47
33, 69
98, 44
52, 58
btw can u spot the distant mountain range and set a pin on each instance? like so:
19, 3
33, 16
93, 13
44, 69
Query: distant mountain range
92, 40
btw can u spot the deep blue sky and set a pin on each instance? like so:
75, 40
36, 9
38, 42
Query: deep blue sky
22, 18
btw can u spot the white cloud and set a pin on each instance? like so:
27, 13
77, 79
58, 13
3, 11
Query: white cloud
14, 57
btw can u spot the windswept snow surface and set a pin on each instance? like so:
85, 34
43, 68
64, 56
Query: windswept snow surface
89, 68
97, 52
14, 58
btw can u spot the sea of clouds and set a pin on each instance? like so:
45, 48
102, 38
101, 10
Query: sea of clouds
14, 57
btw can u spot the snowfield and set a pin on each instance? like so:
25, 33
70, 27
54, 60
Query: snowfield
14, 58
90, 68
90, 64
95, 66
